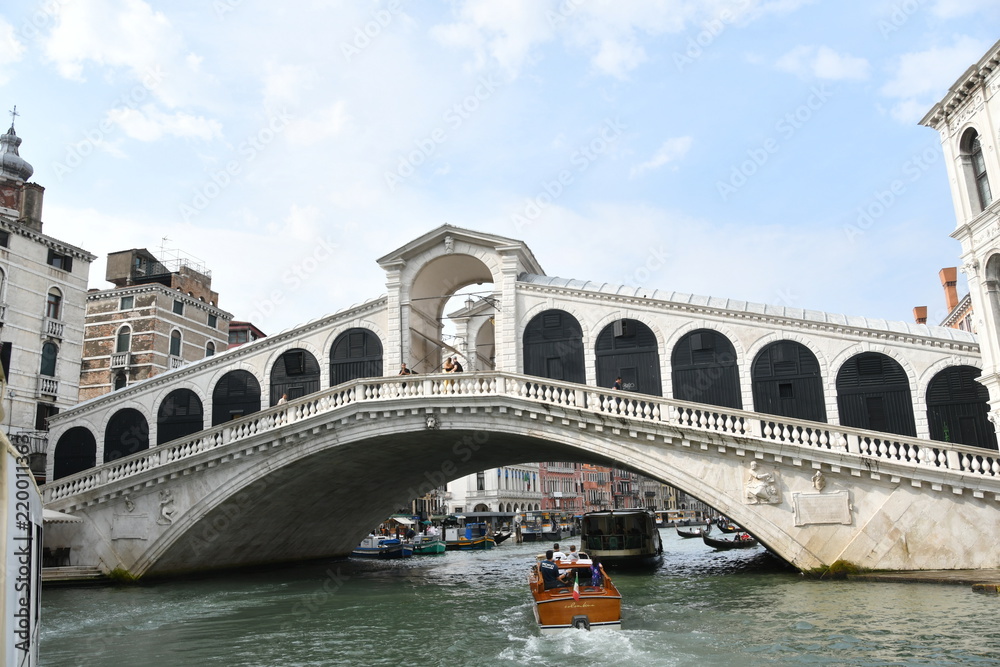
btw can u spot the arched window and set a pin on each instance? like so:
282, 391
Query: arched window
123, 342
175, 343
628, 348
49, 354
180, 414
127, 433
705, 371
294, 374
975, 167
76, 451
787, 382
53, 305
873, 392
553, 347
209, 349
958, 407
237, 393
356, 353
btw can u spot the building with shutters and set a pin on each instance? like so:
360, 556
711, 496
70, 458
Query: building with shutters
43, 286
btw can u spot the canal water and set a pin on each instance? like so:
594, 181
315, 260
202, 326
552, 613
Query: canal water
700, 607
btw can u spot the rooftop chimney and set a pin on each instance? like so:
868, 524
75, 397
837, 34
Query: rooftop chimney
920, 314
949, 280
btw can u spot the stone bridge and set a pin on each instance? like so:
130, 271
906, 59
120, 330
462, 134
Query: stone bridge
309, 478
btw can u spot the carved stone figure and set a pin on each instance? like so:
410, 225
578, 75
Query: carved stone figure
129, 505
166, 508
819, 480
761, 487
449, 245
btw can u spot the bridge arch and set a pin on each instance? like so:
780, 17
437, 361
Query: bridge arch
874, 391
552, 347
705, 369
294, 371
958, 408
76, 451
235, 393
180, 413
428, 281
355, 353
126, 432
786, 379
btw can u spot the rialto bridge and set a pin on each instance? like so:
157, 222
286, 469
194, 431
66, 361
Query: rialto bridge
828, 437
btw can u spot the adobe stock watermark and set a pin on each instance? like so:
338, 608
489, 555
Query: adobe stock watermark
92, 139
580, 159
786, 127
453, 117
293, 278
40, 19
220, 179
462, 449
884, 198
563, 11
656, 259
899, 14
306, 607
710, 31
364, 35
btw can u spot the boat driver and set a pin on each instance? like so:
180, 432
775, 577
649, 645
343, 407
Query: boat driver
550, 572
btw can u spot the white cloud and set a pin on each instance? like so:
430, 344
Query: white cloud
672, 150
325, 123
920, 78
10, 49
152, 124
124, 35
950, 9
823, 63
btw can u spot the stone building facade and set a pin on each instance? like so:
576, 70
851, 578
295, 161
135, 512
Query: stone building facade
967, 120
159, 316
43, 284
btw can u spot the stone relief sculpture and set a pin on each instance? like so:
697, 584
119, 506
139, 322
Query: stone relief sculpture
761, 487
129, 505
166, 508
819, 480
449, 245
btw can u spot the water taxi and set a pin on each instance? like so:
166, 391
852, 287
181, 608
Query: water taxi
591, 602
622, 537
427, 544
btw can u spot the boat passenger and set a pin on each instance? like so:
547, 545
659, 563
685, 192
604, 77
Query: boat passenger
557, 554
550, 572
572, 555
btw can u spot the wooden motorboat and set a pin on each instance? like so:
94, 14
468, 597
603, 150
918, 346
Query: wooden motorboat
693, 531
424, 545
472, 536
741, 541
626, 537
591, 603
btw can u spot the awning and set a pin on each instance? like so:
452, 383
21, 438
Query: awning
403, 520
52, 516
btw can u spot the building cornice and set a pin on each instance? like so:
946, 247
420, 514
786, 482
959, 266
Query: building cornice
958, 312
950, 109
146, 288
837, 329
63, 247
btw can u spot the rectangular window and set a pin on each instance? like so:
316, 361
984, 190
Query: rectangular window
42, 413
4, 239
295, 363
60, 261
5, 349
178, 307
213, 320
52, 305
127, 303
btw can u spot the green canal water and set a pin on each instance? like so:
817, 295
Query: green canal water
699, 607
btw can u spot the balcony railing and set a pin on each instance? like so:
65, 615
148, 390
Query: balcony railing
121, 360
48, 386
53, 328
176, 362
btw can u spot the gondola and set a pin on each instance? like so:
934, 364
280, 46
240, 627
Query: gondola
500, 536
693, 532
729, 528
724, 544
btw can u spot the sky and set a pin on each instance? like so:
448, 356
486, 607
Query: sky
759, 150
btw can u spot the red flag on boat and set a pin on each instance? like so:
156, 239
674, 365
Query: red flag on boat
576, 588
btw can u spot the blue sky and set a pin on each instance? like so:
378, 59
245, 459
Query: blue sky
742, 148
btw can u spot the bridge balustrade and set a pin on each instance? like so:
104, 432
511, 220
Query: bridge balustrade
625, 405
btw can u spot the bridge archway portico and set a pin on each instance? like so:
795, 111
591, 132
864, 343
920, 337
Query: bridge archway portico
287, 483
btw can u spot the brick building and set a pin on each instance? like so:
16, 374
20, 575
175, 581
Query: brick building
161, 314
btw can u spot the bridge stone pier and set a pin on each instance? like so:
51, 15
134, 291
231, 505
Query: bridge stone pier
828, 437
